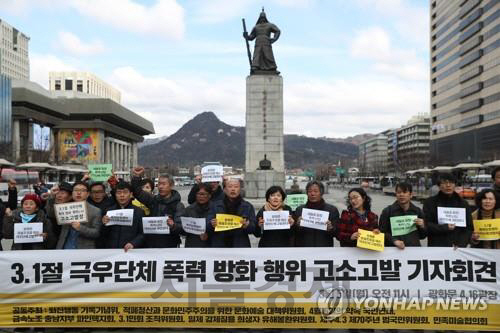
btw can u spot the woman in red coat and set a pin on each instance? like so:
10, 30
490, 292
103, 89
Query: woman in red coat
357, 216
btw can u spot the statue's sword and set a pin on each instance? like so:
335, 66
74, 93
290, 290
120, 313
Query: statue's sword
248, 45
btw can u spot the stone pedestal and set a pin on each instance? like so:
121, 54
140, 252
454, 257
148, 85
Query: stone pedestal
264, 133
257, 182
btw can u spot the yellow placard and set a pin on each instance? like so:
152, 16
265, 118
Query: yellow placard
370, 240
227, 222
487, 229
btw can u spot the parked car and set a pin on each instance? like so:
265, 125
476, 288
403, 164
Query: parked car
466, 192
482, 186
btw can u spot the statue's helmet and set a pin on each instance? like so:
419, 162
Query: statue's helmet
262, 17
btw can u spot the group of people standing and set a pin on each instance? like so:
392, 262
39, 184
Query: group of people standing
207, 200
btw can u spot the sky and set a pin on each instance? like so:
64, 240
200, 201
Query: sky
348, 66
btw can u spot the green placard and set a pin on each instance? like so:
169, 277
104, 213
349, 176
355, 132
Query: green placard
295, 200
403, 225
100, 172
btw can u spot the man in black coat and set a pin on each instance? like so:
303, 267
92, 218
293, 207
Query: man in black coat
403, 207
308, 237
445, 235
232, 204
98, 196
121, 236
8, 207
166, 203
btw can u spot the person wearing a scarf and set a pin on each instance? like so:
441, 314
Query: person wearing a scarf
166, 203
308, 237
488, 204
357, 216
30, 212
447, 235
275, 197
232, 204
199, 209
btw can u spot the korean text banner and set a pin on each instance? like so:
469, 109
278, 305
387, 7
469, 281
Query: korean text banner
418, 288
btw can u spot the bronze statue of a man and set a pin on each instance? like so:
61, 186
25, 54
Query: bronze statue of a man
263, 58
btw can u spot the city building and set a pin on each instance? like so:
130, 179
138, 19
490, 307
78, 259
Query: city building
14, 60
465, 81
80, 84
73, 131
372, 158
5, 114
408, 146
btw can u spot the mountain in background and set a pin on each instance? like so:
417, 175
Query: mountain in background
356, 139
206, 138
152, 141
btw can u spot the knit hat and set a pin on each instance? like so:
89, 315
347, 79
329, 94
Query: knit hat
34, 197
64, 186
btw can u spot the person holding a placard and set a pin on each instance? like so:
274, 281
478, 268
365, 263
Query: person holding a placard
123, 236
199, 209
488, 204
63, 195
166, 203
306, 236
78, 235
357, 216
402, 222
148, 185
232, 204
447, 216
28, 226
275, 231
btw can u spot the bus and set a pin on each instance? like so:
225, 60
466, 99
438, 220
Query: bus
182, 180
24, 179
388, 184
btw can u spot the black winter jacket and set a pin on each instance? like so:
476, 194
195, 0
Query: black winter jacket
235, 237
8, 230
439, 234
274, 238
117, 236
411, 239
161, 206
195, 210
308, 237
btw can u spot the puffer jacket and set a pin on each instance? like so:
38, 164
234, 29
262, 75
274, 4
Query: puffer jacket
8, 231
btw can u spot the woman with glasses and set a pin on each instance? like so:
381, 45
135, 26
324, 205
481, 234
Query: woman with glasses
357, 216
198, 209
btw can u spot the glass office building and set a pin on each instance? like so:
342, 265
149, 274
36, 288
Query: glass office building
465, 81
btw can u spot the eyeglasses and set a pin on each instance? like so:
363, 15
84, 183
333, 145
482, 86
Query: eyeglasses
447, 182
80, 190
